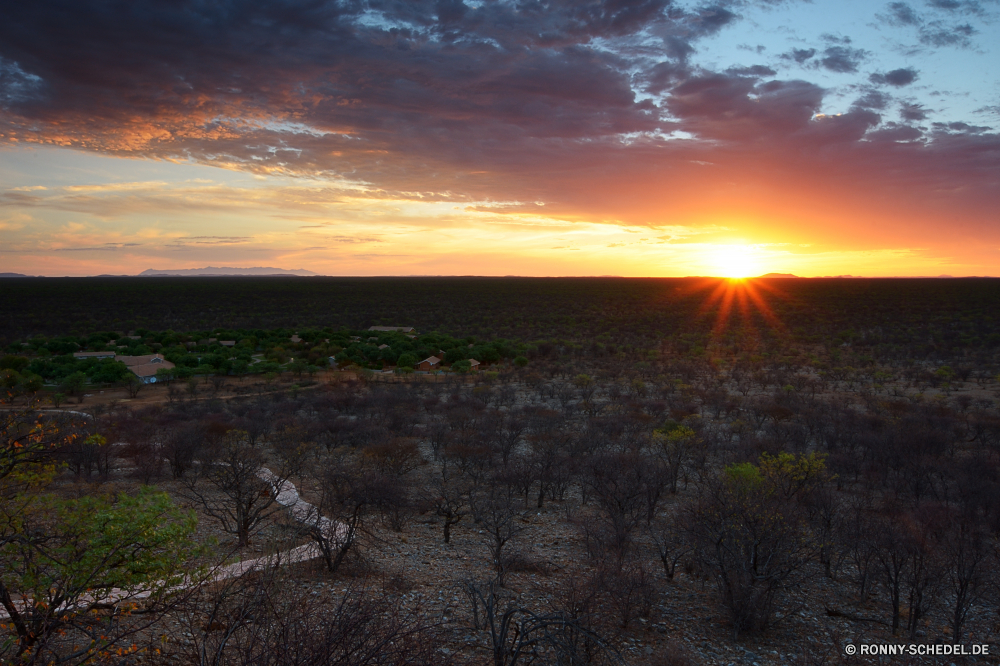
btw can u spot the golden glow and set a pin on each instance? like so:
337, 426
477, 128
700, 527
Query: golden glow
739, 303
736, 261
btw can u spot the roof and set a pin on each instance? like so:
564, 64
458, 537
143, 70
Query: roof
473, 362
150, 369
401, 329
155, 359
227, 343
295, 338
104, 354
433, 360
383, 346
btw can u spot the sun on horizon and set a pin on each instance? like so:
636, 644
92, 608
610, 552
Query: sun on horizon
736, 261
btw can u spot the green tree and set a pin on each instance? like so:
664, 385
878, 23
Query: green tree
74, 384
133, 384
71, 559
64, 561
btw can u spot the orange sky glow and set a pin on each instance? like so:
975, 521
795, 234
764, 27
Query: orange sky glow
603, 138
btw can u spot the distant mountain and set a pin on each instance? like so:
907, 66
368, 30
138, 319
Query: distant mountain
778, 275
3, 275
225, 270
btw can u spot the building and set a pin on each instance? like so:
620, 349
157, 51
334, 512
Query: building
146, 367
389, 329
430, 363
104, 354
475, 364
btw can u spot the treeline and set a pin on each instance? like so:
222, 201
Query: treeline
926, 317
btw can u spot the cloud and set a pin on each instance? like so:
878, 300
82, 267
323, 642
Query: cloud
936, 32
901, 13
211, 240
873, 99
799, 55
842, 59
913, 112
752, 70
897, 77
600, 109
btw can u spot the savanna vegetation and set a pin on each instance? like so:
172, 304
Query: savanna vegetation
641, 472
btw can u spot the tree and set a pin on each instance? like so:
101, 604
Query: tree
165, 374
65, 562
134, 384
74, 383
244, 493
73, 559
449, 497
501, 525
676, 447
754, 540
969, 560
265, 618
519, 635
348, 497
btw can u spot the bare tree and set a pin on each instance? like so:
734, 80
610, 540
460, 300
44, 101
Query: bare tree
502, 525
242, 493
969, 562
349, 497
521, 636
267, 619
449, 497
754, 541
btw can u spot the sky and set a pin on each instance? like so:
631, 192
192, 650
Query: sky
418, 137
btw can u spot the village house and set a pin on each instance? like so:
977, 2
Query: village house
430, 363
146, 367
389, 329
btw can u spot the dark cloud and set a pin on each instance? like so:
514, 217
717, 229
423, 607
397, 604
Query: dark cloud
966, 6
896, 132
901, 13
960, 127
842, 59
752, 70
897, 77
15, 84
873, 99
739, 108
912, 112
799, 55
936, 32
448, 101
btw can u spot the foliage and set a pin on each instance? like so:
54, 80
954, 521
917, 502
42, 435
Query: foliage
64, 561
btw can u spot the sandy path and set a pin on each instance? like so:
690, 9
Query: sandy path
287, 496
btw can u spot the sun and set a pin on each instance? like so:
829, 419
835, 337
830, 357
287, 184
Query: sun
735, 261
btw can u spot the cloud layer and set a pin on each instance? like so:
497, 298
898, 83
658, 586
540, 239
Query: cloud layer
602, 110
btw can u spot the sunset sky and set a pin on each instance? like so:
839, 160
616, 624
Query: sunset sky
411, 137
